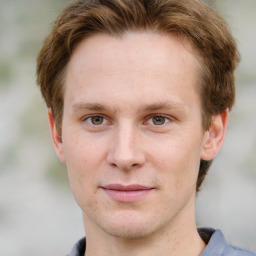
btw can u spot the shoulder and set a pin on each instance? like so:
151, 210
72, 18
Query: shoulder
217, 245
79, 248
236, 251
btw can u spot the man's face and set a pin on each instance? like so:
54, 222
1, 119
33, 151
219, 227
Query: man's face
132, 135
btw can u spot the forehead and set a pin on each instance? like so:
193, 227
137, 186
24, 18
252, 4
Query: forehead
136, 64
144, 48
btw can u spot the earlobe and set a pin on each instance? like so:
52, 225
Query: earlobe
56, 137
214, 137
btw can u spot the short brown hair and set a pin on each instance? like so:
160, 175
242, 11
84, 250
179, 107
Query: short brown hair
191, 19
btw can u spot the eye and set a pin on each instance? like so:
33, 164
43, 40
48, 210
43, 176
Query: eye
158, 120
95, 120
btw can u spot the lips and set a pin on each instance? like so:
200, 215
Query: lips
127, 193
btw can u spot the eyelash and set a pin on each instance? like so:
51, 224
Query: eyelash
167, 119
88, 120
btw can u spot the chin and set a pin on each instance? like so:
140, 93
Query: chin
130, 232
130, 228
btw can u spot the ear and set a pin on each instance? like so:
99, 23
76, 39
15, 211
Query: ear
56, 137
214, 137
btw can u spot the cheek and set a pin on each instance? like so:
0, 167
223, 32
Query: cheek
85, 156
81, 173
82, 152
81, 164
177, 160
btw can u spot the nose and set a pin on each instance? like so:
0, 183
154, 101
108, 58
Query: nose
126, 151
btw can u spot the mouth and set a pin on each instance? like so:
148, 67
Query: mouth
127, 193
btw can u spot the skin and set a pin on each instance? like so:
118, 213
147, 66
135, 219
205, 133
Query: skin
146, 129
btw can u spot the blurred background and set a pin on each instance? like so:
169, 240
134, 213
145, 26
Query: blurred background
38, 215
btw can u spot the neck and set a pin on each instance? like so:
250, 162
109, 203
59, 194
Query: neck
178, 238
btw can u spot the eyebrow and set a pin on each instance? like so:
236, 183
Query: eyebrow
147, 108
87, 106
164, 105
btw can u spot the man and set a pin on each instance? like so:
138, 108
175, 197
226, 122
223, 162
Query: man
138, 95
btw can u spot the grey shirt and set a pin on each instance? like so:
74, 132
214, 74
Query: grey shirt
216, 245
